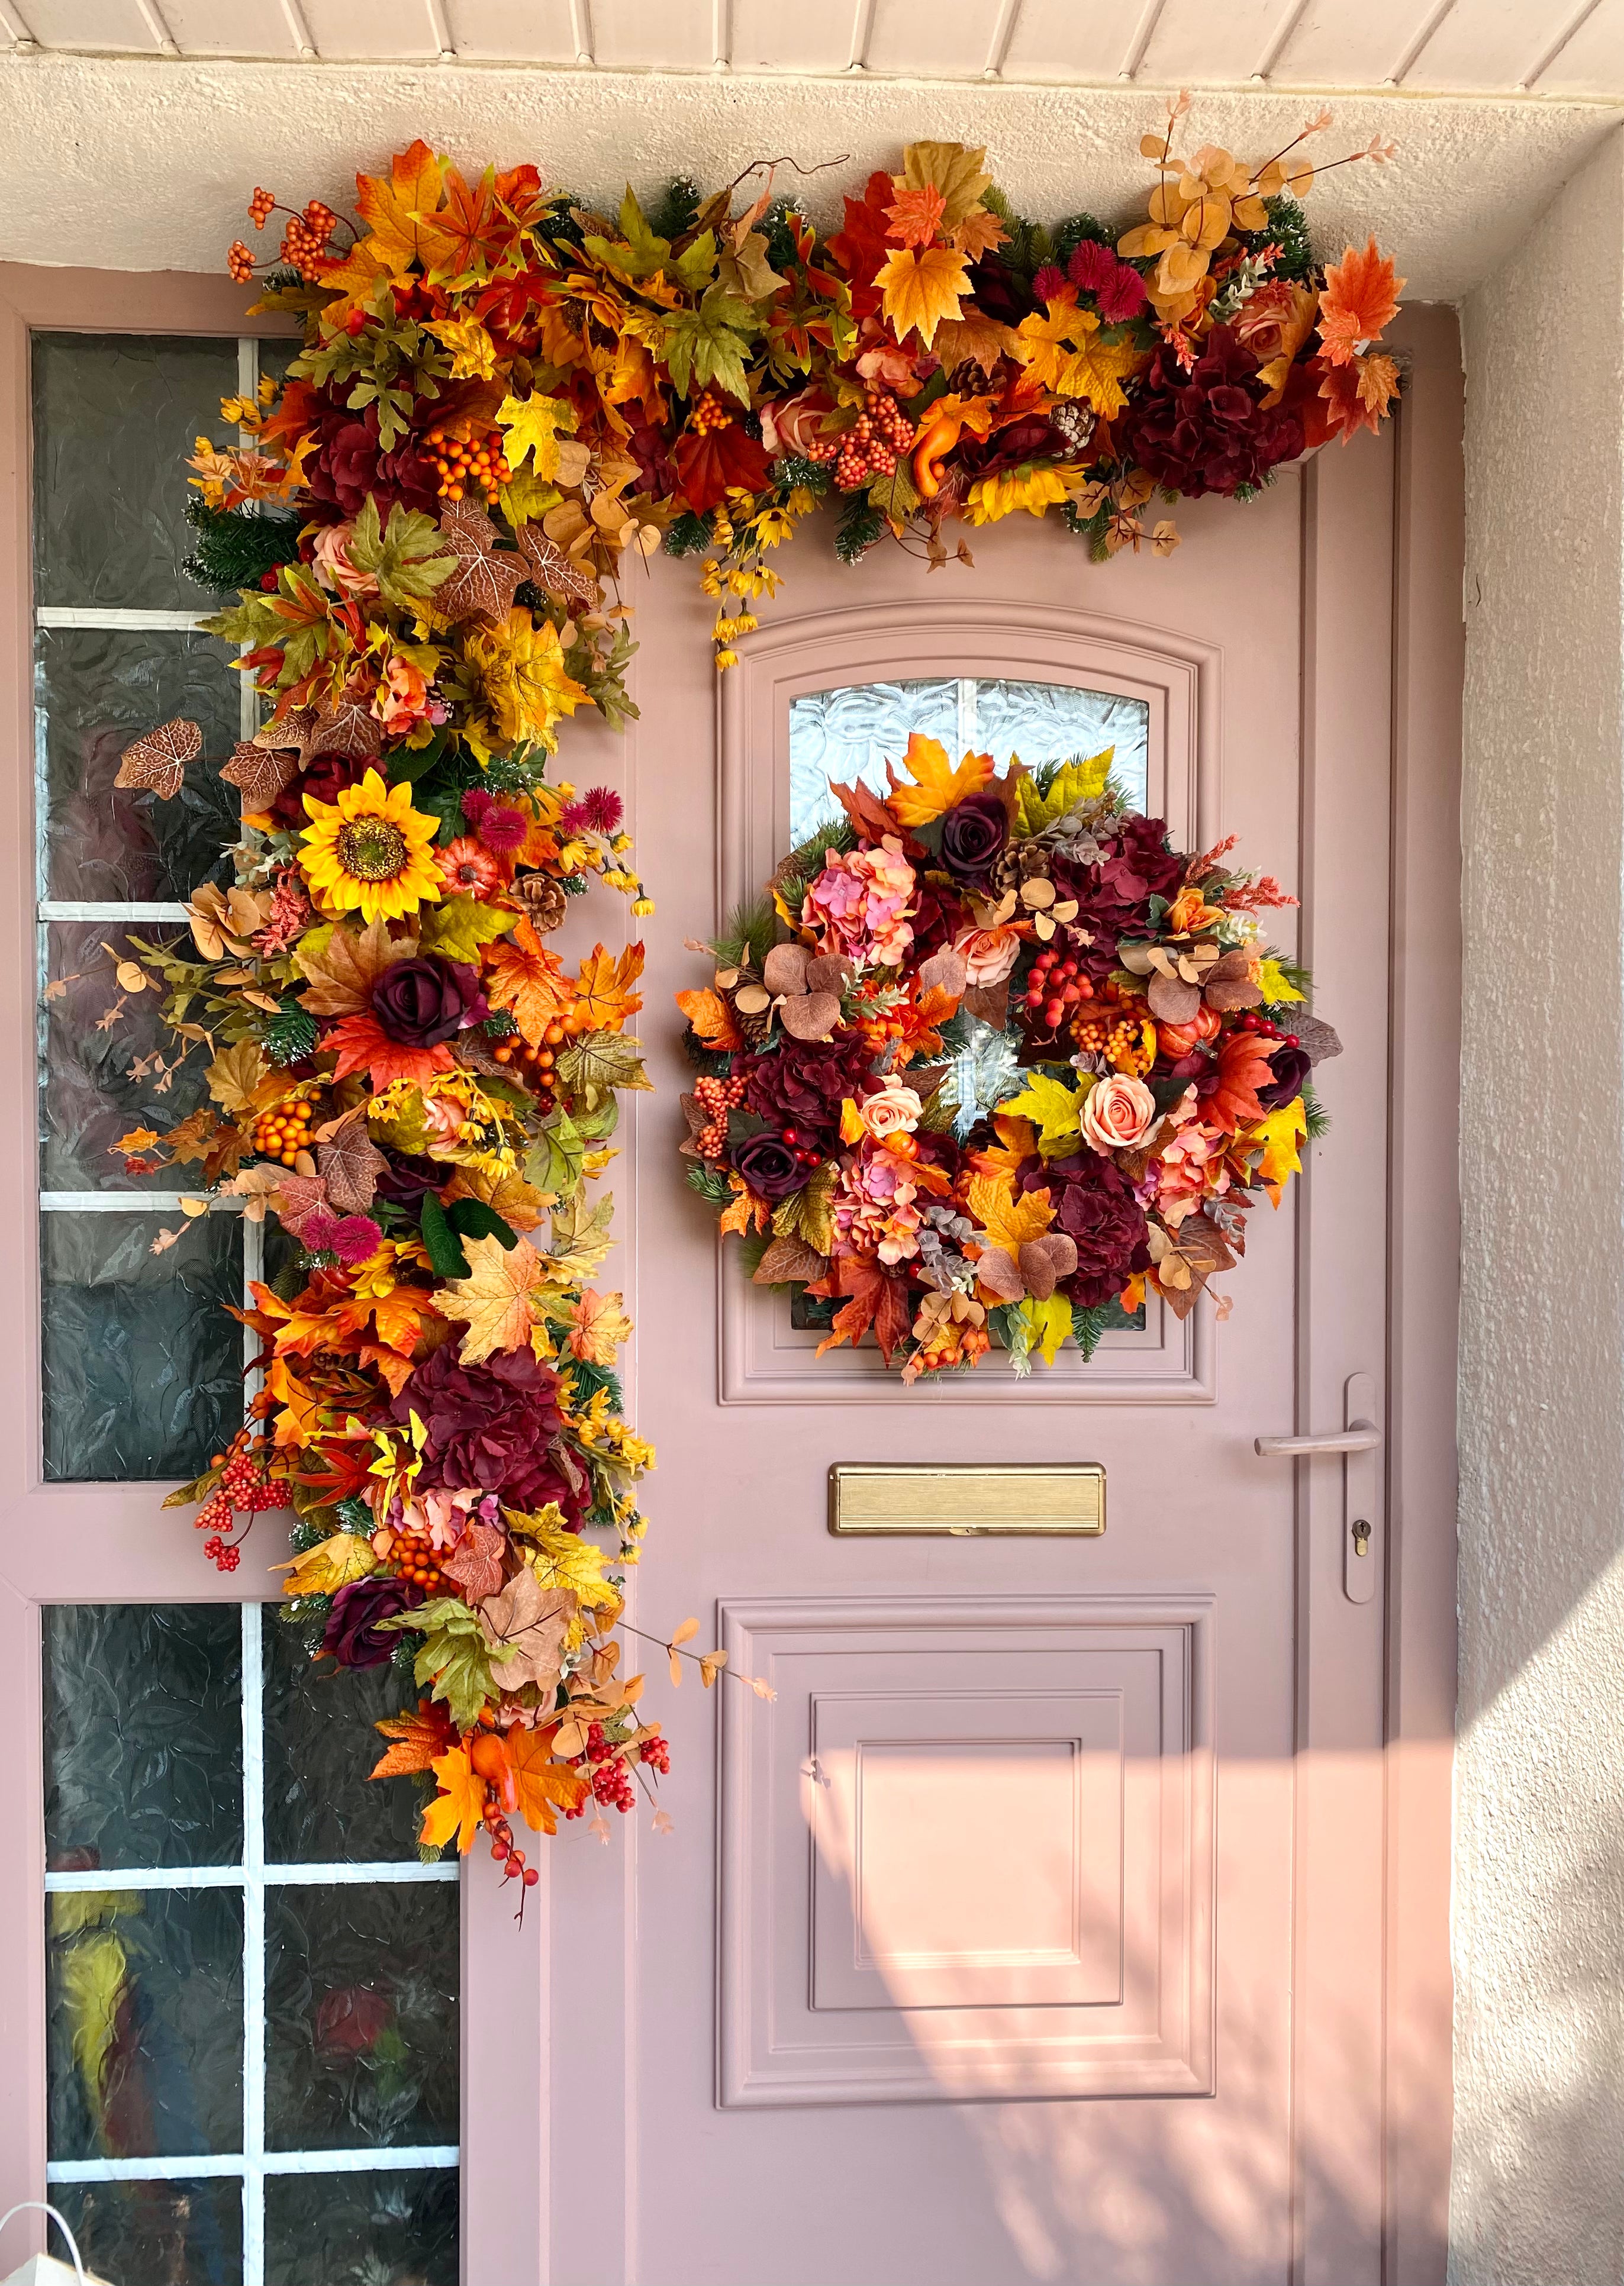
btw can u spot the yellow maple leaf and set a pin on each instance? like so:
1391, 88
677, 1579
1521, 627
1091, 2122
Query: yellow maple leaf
496, 1300
958, 173
1276, 985
1062, 351
458, 1806
1049, 1322
937, 785
1279, 1135
920, 289
323, 1570
1008, 1221
1054, 1107
473, 352
562, 1559
600, 1325
532, 425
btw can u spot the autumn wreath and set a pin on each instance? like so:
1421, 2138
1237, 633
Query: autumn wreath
992, 1061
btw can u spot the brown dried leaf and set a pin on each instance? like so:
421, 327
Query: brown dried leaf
1172, 1001
785, 968
550, 568
812, 1016
342, 972
788, 1262
258, 772
350, 729
483, 584
477, 1565
349, 1164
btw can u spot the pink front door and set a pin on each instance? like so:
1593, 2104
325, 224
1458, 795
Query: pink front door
1041, 1925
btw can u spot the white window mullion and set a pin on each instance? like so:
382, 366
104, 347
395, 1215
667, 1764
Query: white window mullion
967, 714
253, 1949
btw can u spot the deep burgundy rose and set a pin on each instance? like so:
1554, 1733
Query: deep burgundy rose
352, 1633
1000, 292
422, 1002
409, 1178
1032, 438
497, 1426
1291, 1067
804, 1084
1207, 430
972, 836
347, 466
326, 778
1094, 1205
772, 1168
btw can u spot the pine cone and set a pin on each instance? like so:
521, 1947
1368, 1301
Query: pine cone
1072, 422
542, 898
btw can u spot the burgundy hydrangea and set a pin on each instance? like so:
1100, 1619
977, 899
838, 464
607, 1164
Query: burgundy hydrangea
1113, 896
347, 466
1094, 1205
496, 1425
326, 778
804, 1084
352, 1633
1207, 430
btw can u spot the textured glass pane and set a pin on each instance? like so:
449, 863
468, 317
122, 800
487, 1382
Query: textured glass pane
94, 691
143, 1368
361, 2014
161, 2233
99, 1078
143, 1721
362, 2230
144, 2023
1050, 721
848, 733
114, 416
320, 1807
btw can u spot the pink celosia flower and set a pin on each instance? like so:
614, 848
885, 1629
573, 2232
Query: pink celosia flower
599, 810
859, 904
352, 1238
290, 914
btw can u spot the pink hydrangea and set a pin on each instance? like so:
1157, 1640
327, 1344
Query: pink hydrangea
874, 1209
859, 904
1190, 1170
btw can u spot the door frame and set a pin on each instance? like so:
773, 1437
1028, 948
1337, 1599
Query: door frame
115, 1543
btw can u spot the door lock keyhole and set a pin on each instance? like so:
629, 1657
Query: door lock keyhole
1362, 1537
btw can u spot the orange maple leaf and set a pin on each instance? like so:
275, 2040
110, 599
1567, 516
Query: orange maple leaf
362, 1045
539, 1781
1243, 1069
419, 1740
915, 216
522, 975
1360, 297
459, 1806
711, 1018
919, 290
602, 994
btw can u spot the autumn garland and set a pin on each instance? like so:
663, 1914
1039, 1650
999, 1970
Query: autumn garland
501, 397
992, 1061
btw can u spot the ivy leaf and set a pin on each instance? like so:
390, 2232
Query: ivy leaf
599, 1062
706, 346
458, 928
404, 558
441, 1243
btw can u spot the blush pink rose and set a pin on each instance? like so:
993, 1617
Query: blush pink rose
792, 425
892, 1110
990, 954
1119, 1112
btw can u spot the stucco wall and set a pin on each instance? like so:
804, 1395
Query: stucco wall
1539, 1909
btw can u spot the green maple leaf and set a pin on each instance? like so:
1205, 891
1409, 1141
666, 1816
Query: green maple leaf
706, 346
695, 267
807, 1214
598, 1063
1054, 1109
557, 1156
404, 557
457, 928
639, 251
582, 1235
454, 1655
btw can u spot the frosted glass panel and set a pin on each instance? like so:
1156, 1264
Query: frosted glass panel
166, 2232
395, 2229
848, 733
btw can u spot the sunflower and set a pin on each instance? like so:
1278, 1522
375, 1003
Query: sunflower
370, 850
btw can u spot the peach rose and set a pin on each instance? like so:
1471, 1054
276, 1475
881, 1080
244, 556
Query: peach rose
1119, 1112
792, 425
401, 699
990, 954
330, 563
894, 1110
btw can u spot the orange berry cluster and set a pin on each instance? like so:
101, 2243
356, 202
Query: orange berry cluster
870, 447
717, 1097
304, 241
412, 1556
1127, 1043
262, 206
466, 463
708, 413
536, 1066
954, 1345
283, 1133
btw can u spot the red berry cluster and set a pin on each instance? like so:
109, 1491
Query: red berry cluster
611, 1781
1054, 986
245, 1483
505, 1850
802, 1145
716, 1098
1250, 1021
225, 1559
870, 447
657, 1754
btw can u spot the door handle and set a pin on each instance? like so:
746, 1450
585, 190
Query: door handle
1358, 1436
1360, 1486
